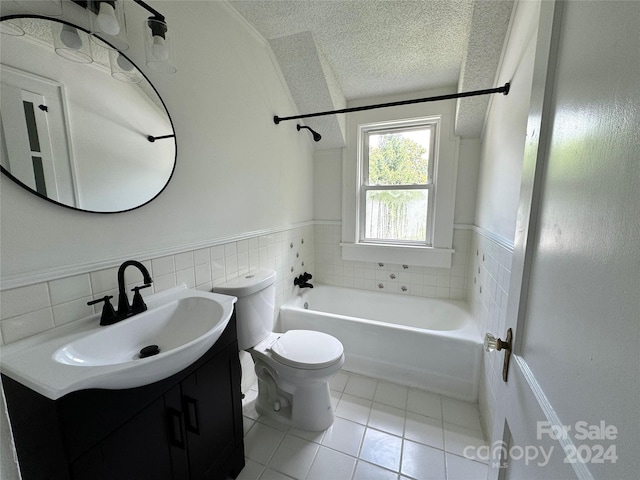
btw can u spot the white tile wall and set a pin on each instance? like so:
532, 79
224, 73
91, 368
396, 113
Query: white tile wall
447, 283
489, 277
35, 308
480, 273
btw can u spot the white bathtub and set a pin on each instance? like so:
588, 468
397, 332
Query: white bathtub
419, 342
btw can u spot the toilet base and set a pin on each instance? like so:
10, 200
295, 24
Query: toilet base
305, 405
308, 408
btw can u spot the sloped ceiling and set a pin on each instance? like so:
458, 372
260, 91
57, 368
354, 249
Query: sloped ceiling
331, 52
312, 84
489, 24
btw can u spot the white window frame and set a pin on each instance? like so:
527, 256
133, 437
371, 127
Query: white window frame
439, 252
364, 131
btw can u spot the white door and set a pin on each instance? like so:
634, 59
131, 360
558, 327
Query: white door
571, 405
35, 137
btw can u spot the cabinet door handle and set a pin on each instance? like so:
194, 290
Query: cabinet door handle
175, 428
192, 415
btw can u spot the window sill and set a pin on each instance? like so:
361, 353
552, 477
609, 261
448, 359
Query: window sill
398, 254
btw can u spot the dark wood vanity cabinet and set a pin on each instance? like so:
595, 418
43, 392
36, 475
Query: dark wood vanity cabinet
187, 426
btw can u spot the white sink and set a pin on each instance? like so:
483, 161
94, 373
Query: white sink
172, 327
183, 323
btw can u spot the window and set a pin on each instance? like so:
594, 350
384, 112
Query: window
399, 185
396, 162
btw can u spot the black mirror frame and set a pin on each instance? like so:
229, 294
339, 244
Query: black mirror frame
175, 160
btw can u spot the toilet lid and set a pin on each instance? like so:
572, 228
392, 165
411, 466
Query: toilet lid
307, 349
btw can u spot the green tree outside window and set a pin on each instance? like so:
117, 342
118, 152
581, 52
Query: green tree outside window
396, 214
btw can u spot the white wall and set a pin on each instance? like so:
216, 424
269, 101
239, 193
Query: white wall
236, 171
504, 131
327, 184
502, 154
467, 181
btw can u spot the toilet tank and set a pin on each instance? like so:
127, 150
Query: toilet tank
255, 308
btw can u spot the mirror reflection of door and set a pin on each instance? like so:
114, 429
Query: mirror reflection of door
32, 122
92, 129
34, 127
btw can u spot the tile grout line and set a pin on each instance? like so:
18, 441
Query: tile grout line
357, 459
444, 446
370, 427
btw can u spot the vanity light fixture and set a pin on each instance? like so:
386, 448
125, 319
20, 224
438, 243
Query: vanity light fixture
106, 19
122, 69
71, 43
108, 24
109, 29
316, 136
159, 45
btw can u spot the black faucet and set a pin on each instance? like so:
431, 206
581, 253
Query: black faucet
109, 315
303, 280
138, 305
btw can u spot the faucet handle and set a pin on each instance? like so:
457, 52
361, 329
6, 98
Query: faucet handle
137, 304
108, 313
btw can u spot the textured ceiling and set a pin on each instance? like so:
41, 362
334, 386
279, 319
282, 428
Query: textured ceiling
312, 84
489, 24
333, 51
374, 47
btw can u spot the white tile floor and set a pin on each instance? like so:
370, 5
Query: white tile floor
382, 431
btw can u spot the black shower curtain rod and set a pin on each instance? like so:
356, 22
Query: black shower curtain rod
504, 89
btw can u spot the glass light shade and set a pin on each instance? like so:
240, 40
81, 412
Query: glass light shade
71, 43
108, 23
122, 69
159, 47
12, 27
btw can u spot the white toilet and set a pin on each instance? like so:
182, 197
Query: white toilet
293, 368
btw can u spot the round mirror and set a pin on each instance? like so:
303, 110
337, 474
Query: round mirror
91, 136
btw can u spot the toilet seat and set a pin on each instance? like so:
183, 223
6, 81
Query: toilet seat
307, 349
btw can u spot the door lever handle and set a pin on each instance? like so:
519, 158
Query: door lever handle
492, 343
